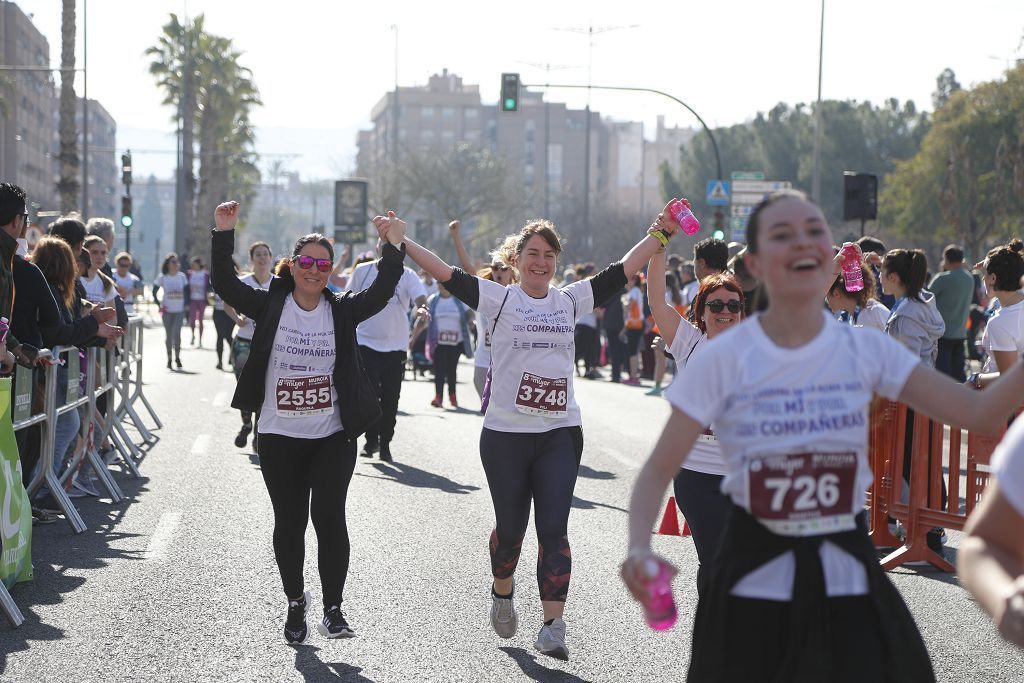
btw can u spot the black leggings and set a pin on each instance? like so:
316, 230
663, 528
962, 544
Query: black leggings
700, 499
541, 467
446, 362
293, 469
225, 326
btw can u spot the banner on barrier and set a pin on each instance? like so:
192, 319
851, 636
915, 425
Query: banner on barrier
15, 509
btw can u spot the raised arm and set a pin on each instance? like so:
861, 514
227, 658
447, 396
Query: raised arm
225, 282
460, 248
667, 317
643, 250
423, 257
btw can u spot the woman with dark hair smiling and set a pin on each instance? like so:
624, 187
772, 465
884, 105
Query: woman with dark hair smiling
797, 593
305, 381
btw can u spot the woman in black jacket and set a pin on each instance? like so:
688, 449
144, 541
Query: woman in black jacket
305, 381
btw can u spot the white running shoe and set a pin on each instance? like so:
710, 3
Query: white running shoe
551, 640
504, 619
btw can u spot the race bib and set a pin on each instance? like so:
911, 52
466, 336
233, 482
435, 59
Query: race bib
448, 337
175, 295
542, 395
803, 494
304, 396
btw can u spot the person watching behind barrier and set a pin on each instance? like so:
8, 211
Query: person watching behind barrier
1003, 338
861, 308
953, 289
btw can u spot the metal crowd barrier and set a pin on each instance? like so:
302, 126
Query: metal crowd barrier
114, 373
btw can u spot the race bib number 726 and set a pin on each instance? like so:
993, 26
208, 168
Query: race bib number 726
803, 494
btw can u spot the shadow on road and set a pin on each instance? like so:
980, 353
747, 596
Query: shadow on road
536, 671
591, 473
312, 669
408, 475
581, 504
58, 555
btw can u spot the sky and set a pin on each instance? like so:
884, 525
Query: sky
321, 65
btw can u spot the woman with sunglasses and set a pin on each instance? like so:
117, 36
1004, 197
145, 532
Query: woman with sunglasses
172, 307
304, 379
500, 271
532, 438
797, 593
719, 306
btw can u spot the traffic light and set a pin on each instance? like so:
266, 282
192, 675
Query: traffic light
126, 212
510, 92
719, 233
126, 168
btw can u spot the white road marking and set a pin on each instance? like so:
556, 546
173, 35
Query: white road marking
162, 534
201, 445
220, 400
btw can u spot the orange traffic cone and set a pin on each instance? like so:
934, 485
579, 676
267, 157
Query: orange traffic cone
686, 528
669, 521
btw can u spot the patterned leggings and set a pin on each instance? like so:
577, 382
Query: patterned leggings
541, 467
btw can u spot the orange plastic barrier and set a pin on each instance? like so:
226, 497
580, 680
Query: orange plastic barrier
923, 510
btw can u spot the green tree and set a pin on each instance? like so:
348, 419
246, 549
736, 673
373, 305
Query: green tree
67, 184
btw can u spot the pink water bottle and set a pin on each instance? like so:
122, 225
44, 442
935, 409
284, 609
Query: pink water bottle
4, 328
852, 277
659, 607
682, 215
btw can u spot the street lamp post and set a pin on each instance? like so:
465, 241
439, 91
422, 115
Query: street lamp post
816, 173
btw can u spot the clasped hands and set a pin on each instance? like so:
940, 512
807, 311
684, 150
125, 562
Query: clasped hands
390, 228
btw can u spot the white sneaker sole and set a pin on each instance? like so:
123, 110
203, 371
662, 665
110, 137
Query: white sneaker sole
327, 634
557, 652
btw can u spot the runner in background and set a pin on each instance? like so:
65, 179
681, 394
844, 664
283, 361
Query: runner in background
718, 306
304, 376
633, 327
199, 293
532, 439
797, 592
261, 259
128, 284
499, 270
172, 307
224, 326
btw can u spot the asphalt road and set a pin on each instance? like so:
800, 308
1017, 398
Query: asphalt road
178, 583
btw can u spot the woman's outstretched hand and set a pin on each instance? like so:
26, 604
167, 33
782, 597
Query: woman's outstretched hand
390, 228
226, 216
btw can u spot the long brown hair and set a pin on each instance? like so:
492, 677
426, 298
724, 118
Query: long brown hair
53, 256
709, 285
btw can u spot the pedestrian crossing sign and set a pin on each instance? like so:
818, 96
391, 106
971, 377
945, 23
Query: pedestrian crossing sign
718, 193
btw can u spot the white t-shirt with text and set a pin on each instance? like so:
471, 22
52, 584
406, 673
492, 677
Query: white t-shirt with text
172, 298
686, 346
532, 355
246, 331
300, 399
448, 321
793, 428
388, 330
128, 283
1004, 332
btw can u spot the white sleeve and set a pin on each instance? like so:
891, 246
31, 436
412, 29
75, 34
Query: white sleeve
413, 285
492, 296
1000, 338
1008, 465
889, 362
687, 336
582, 292
716, 372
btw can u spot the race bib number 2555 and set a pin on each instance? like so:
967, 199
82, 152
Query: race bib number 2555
304, 396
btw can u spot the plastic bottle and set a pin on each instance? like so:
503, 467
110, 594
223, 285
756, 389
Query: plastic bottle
4, 328
660, 607
852, 277
682, 215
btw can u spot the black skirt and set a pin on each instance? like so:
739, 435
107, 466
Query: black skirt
812, 638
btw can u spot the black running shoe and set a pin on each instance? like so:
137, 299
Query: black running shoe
385, 451
334, 625
369, 448
296, 631
243, 435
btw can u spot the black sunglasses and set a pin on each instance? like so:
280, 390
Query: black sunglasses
717, 305
500, 266
306, 262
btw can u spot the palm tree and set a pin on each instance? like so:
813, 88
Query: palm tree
68, 184
175, 64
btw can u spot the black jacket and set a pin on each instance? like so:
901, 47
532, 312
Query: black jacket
356, 396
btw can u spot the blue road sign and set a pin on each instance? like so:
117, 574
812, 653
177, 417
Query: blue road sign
718, 193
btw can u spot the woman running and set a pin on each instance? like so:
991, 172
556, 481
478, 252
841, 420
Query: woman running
698, 486
224, 326
261, 261
198, 293
499, 270
447, 339
532, 438
305, 378
797, 593
172, 308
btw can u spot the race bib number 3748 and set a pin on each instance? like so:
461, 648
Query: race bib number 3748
803, 494
542, 395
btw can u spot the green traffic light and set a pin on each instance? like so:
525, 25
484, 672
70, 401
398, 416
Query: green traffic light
126, 221
718, 234
510, 103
